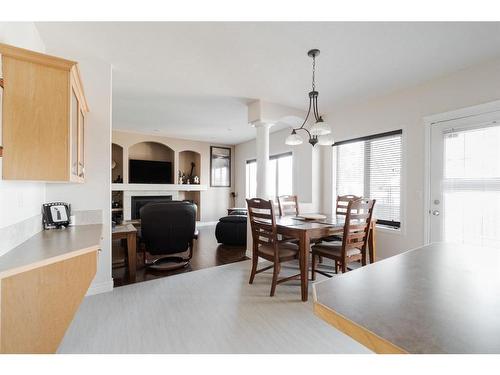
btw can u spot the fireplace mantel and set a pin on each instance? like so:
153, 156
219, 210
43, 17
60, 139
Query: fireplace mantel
157, 187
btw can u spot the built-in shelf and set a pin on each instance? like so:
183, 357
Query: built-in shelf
189, 165
157, 187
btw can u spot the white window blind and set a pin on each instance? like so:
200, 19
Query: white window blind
371, 167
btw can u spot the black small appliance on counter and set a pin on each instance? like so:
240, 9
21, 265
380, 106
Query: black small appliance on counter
56, 215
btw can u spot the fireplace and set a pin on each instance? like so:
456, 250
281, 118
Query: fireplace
140, 201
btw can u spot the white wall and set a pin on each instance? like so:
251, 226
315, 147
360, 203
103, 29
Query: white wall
215, 200
95, 193
307, 166
405, 110
19, 200
21, 34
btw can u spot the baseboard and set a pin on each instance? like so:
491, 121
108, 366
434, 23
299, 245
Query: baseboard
103, 287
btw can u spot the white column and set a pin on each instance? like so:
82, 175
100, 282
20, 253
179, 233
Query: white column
262, 142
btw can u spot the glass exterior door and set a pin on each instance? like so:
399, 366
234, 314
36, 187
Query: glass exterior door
465, 181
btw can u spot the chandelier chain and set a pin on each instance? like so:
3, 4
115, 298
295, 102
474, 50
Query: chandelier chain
314, 73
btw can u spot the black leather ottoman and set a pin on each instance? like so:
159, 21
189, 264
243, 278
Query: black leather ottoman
232, 230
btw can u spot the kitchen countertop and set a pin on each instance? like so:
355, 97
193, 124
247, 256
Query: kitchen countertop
50, 246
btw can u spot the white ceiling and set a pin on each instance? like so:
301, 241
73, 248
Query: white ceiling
192, 80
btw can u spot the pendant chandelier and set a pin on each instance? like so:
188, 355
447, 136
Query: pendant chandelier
319, 132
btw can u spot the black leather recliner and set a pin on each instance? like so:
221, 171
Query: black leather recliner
232, 230
168, 228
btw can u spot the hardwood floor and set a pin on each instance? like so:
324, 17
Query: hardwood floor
206, 253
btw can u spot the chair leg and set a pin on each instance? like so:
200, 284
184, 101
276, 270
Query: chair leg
363, 259
313, 267
343, 267
336, 267
276, 271
254, 268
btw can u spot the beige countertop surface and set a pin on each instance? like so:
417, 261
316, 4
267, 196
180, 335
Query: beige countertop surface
50, 246
440, 298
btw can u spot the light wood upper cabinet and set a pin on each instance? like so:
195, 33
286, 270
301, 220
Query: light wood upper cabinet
43, 117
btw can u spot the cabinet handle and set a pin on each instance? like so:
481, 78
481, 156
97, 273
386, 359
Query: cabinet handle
82, 173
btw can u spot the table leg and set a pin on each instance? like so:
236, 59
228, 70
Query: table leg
304, 266
371, 243
132, 255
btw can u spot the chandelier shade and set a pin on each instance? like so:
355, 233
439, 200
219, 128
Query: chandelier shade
320, 128
294, 139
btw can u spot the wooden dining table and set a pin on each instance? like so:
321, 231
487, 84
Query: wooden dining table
306, 230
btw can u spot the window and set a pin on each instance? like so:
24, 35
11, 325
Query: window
251, 179
371, 167
280, 176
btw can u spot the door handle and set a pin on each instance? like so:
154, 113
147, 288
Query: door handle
435, 212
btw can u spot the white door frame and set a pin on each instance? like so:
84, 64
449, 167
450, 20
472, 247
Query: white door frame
461, 113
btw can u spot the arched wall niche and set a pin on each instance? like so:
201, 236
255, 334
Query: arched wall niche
154, 151
189, 160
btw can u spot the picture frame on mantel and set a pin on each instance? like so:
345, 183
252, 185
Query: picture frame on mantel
220, 166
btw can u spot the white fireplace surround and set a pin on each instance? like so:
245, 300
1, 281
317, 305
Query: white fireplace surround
128, 194
132, 190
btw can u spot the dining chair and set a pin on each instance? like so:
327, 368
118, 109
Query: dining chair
265, 241
288, 205
341, 210
354, 240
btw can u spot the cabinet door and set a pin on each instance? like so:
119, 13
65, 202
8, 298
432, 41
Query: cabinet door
81, 144
74, 134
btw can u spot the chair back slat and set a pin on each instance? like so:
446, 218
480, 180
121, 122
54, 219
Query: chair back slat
357, 224
288, 205
258, 215
262, 221
356, 216
356, 227
343, 201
